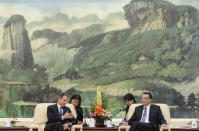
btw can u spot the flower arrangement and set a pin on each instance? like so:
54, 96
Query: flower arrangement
100, 113
98, 109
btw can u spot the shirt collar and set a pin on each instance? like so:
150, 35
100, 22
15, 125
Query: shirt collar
148, 106
58, 105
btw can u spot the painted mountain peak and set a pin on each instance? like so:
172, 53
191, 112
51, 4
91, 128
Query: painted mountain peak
146, 15
16, 40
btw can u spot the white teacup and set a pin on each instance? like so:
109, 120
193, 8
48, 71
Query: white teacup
7, 123
109, 123
92, 123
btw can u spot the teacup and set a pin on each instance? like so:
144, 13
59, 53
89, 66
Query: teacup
109, 123
92, 123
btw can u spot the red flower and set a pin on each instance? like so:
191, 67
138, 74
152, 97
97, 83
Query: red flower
91, 115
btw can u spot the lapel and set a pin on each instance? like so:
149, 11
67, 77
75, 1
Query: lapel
56, 109
64, 109
140, 112
150, 112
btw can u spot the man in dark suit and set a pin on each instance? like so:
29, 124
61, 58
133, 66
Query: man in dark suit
147, 117
59, 116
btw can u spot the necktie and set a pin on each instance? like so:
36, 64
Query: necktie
144, 115
61, 111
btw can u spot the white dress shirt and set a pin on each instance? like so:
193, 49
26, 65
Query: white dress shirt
59, 109
147, 116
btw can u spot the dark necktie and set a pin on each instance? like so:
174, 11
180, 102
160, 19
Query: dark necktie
144, 115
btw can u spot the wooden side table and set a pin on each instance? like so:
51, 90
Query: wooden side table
99, 129
184, 129
116, 129
19, 128
35, 129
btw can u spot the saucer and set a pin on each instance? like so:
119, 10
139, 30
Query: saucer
91, 126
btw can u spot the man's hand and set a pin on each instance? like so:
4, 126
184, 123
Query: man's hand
164, 125
124, 120
67, 116
66, 126
79, 122
125, 123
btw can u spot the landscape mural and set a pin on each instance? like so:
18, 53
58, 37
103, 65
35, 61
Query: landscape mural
74, 46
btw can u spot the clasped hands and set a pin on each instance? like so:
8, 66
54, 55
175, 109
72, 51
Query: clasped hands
124, 122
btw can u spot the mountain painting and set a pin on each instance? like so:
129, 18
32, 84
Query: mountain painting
123, 46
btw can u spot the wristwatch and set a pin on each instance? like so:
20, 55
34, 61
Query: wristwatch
70, 124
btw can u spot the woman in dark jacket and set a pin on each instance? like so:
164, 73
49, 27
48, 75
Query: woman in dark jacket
76, 102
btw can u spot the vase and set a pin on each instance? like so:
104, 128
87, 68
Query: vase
99, 123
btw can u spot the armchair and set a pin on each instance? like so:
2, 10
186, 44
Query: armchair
165, 111
40, 115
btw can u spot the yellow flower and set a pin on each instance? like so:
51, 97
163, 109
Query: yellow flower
99, 95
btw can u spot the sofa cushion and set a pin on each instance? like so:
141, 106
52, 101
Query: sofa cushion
72, 109
40, 114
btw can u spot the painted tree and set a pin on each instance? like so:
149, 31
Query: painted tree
191, 102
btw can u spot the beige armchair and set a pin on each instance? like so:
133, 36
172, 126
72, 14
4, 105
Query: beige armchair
165, 111
40, 115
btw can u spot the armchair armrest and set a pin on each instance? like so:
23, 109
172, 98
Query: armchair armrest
165, 128
40, 127
80, 127
123, 128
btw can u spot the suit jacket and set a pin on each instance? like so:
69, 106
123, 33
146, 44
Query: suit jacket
155, 116
54, 119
